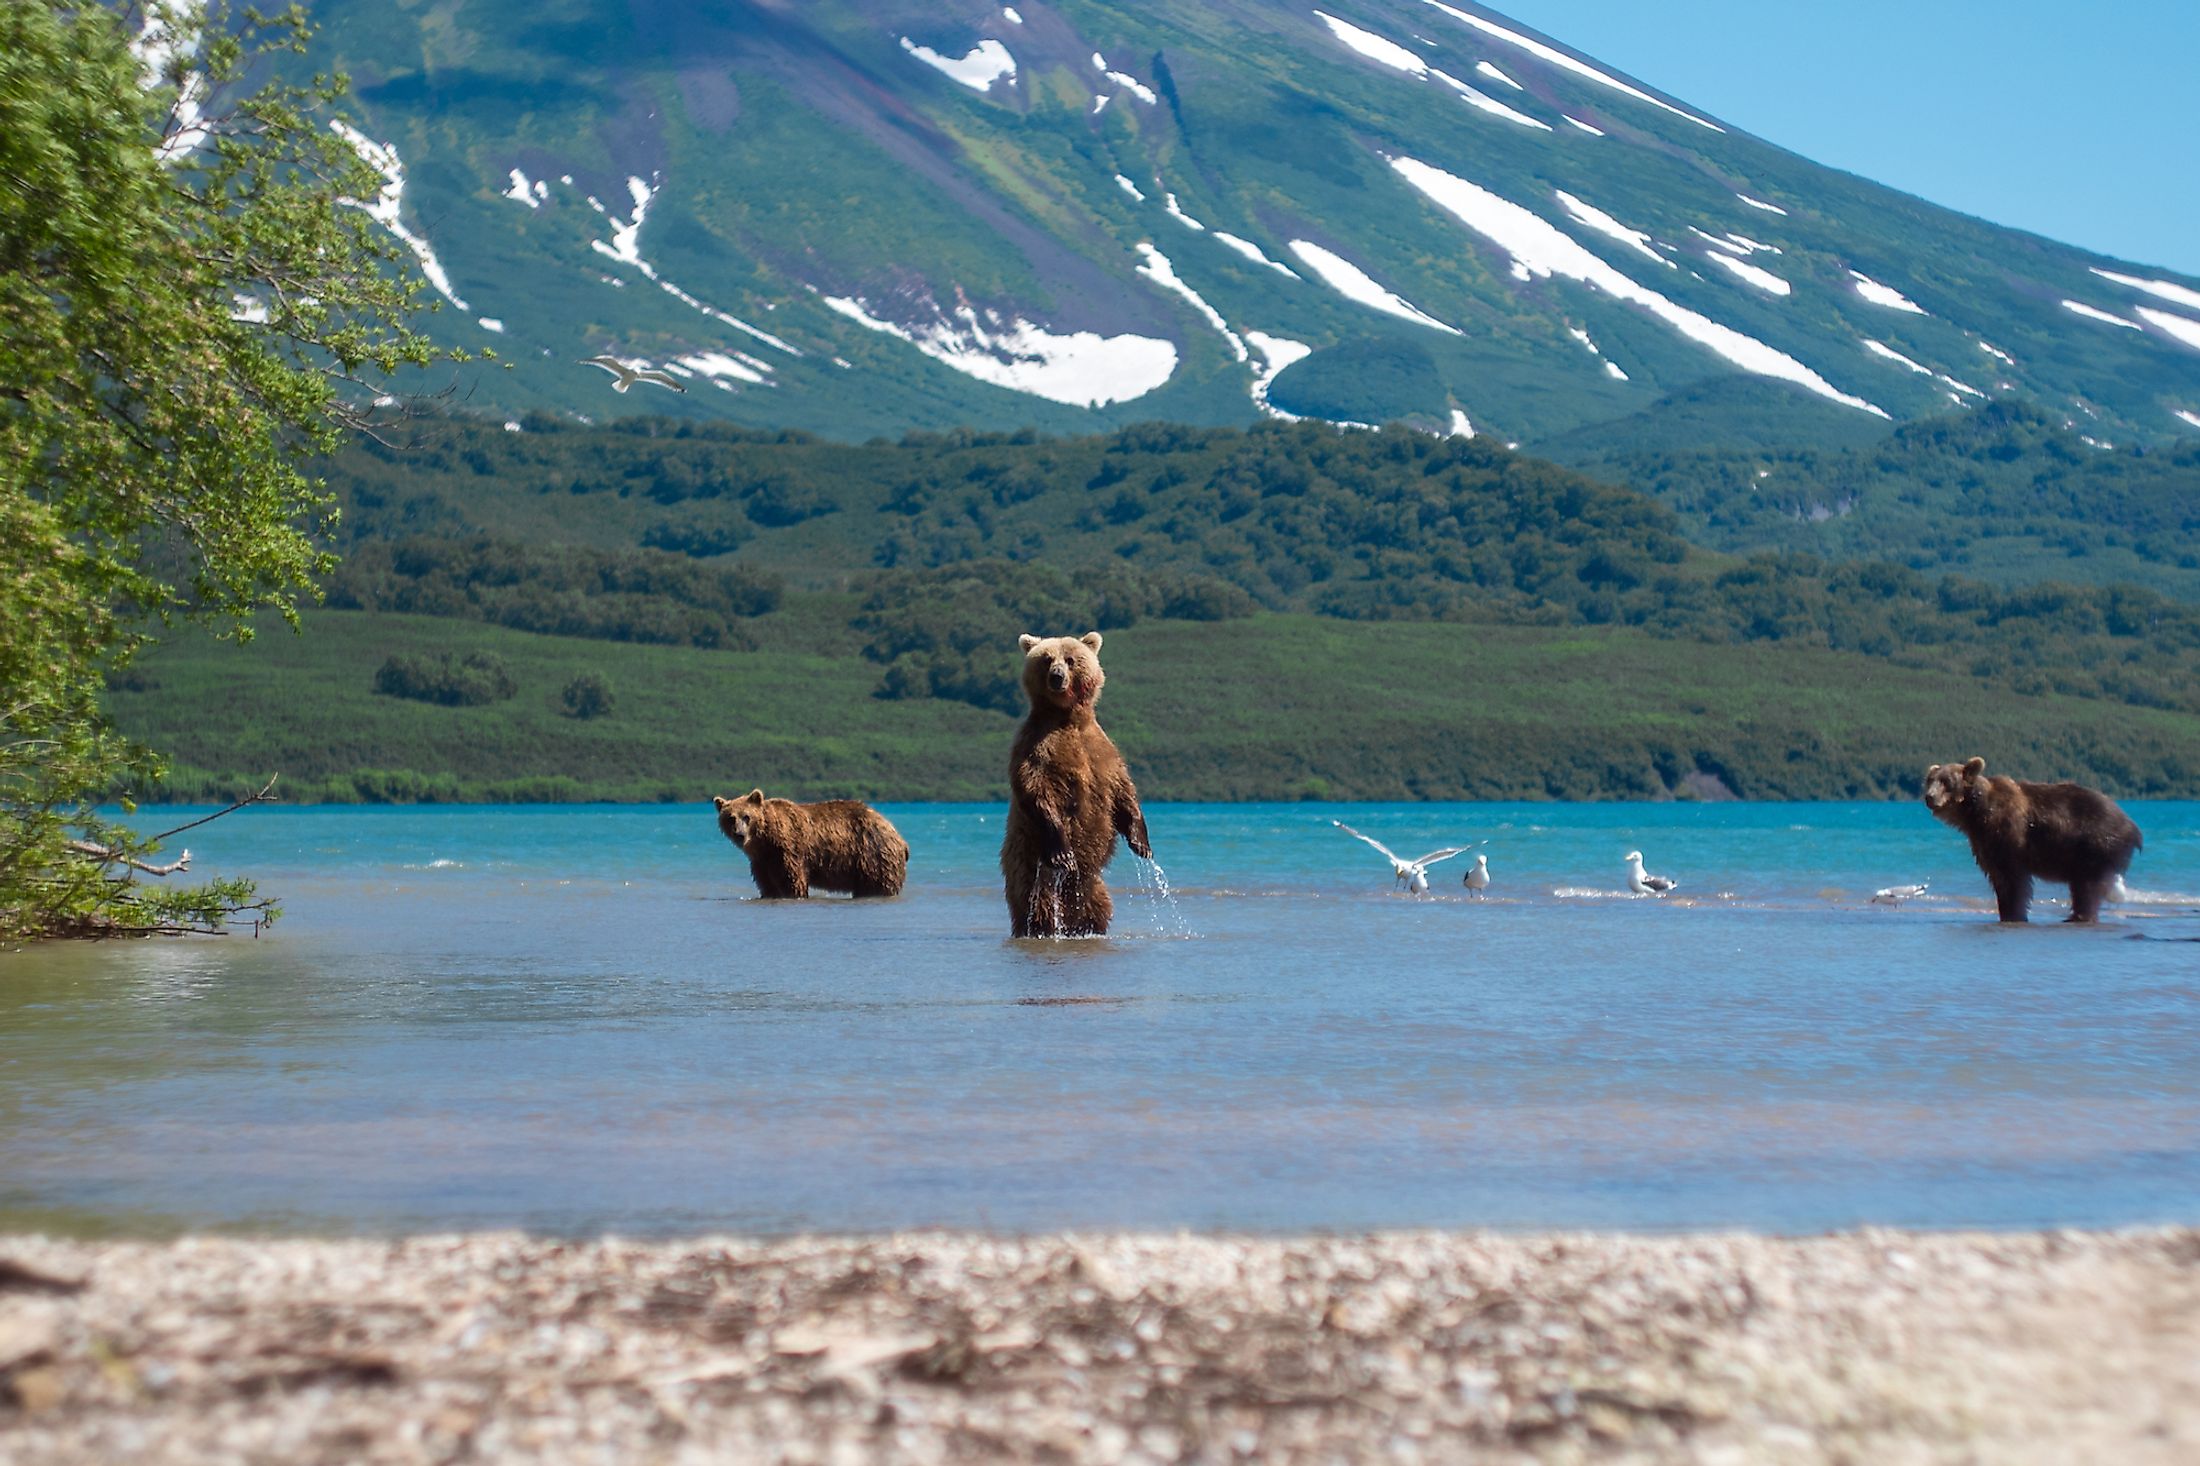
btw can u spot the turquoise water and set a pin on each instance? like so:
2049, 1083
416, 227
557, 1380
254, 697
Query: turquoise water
575, 1019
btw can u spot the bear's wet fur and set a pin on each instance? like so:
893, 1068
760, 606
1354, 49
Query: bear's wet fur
2019, 831
1070, 795
839, 845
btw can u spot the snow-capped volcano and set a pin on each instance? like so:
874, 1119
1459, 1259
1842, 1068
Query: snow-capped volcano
869, 217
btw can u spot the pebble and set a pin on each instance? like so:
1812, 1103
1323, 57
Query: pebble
2024, 1348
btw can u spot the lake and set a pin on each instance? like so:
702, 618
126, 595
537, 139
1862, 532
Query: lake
577, 1019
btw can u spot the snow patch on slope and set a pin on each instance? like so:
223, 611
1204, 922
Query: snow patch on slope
626, 237
386, 207
2177, 294
1735, 244
1385, 52
1078, 368
1483, 101
1998, 354
1565, 62
1490, 71
1158, 269
1355, 284
1888, 296
1604, 224
520, 191
1882, 350
626, 248
1542, 248
986, 63
1251, 251
1375, 48
1130, 188
1585, 127
2177, 327
1169, 204
2093, 314
1276, 354
721, 369
1750, 274
2188, 417
1761, 204
1124, 80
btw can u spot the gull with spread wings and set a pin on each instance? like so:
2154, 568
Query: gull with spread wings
1412, 874
626, 374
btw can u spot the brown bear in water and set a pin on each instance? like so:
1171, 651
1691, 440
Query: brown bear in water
2057, 832
1069, 797
840, 845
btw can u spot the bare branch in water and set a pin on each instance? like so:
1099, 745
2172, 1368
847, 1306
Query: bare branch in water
265, 796
108, 855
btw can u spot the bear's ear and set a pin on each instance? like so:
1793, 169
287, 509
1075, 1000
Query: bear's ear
1091, 639
1027, 641
720, 800
754, 796
1975, 767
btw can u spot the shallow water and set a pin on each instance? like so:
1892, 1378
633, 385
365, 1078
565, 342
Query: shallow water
576, 1019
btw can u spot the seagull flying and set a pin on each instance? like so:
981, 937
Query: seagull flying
1641, 882
624, 376
1896, 895
1412, 874
1478, 879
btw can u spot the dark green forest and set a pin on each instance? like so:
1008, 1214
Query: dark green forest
911, 565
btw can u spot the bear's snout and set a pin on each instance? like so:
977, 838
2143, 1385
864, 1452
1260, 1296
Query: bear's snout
1058, 677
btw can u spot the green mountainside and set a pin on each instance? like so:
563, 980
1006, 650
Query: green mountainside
856, 219
985, 320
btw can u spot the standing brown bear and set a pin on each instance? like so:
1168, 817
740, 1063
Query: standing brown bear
1069, 797
840, 845
2058, 832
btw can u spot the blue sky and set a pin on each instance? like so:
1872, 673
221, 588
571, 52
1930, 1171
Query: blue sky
2078, 121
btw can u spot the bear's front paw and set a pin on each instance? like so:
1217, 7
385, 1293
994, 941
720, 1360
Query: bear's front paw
1140, 845
1064, 860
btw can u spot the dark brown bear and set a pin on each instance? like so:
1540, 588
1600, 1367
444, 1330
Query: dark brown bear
840, 845
2057, 832
1069, 797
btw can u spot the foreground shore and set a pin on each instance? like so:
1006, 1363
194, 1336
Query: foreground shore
1874, 1346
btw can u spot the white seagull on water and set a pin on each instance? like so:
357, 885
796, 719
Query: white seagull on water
1478, 879
1641, 882
1896, 895
624, 375
1412, 874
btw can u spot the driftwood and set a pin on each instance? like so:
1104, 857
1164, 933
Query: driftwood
116, 855
117, 858
108, 855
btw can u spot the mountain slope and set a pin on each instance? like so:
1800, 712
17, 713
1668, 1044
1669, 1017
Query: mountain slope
860, 218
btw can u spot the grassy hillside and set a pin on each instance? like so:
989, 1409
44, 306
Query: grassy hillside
1289, 609
1365, 526
1272, 706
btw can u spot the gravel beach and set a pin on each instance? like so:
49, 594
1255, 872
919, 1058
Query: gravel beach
1861, 1347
